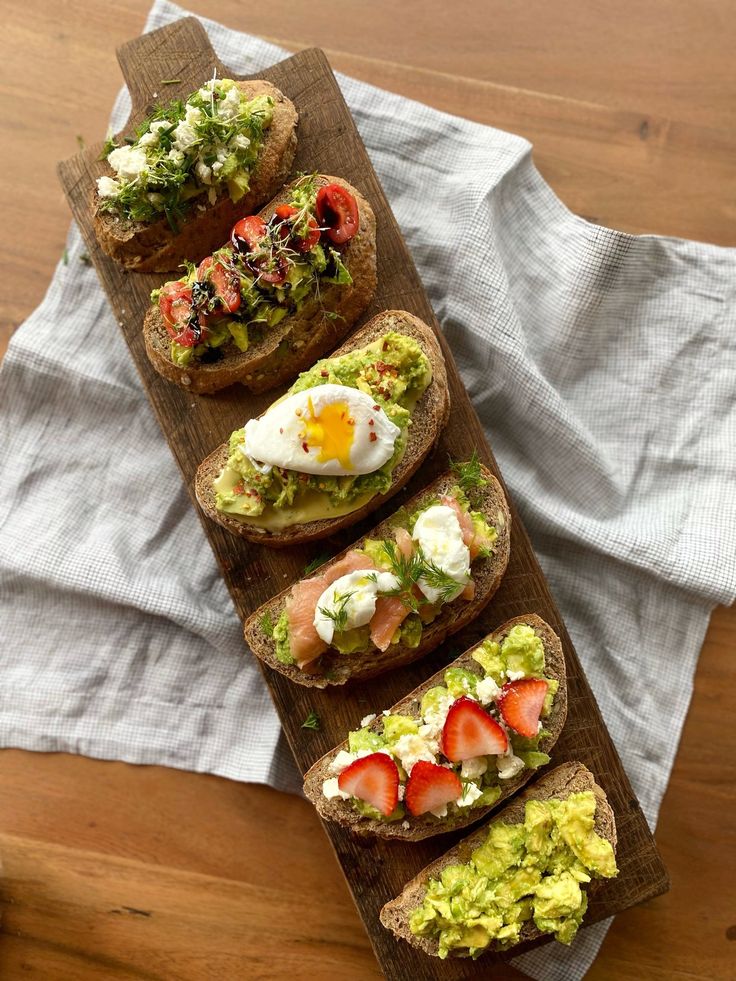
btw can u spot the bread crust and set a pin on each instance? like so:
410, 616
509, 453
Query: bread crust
301, 338
564, 780
154, 247
428, 420
336, 668
426, 825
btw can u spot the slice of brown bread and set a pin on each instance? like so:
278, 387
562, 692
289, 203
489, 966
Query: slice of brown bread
427, 825
155, 247
300, 339
427, 422
564, 780
336, 668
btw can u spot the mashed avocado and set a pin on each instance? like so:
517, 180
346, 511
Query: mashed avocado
530, 871
395, 372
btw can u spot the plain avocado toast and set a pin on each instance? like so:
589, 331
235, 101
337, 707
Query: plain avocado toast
284, 289
456, 746
397, 593
345, 437
174, 188
525, 874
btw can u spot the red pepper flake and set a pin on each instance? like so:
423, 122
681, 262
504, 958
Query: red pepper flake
281, 429
371, 422
325, 374
376, 408
351, 422
305, 447
238, 489
373, 437
385, 345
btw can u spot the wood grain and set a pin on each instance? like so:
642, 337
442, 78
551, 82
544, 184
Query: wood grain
328, 142
637, 60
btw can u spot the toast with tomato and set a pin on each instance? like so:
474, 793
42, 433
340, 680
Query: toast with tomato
172, 190
380, 612
456, 746
284, 289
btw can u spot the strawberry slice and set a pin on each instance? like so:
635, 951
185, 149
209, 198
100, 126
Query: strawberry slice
430, 786
520, 703
470, 731
375, 779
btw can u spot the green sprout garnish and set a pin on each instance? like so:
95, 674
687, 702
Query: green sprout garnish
469, 474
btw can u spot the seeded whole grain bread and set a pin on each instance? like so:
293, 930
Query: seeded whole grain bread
426, 825
336, 668
155, 247
300, 339
428, 419
564, 780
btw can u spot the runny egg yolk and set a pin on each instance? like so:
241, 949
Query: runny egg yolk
333, 431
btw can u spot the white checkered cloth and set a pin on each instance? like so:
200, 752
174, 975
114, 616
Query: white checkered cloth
602, 366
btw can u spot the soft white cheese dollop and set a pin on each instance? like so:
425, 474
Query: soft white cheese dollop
509, 766
471, 793
352, 599
330, 429
487, 691
107, 187
331, 788
128, 162
437, 532
473, 768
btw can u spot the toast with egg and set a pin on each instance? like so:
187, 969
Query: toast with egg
487, 572
428, 419
561, 783
156, 246
301, 338
426, 825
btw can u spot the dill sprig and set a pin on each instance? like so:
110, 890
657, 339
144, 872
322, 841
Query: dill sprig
312, 721
469, 474
316, 562
339, 615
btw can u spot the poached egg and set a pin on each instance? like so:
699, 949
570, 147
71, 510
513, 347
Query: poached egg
333, 430
350, 601
438, 533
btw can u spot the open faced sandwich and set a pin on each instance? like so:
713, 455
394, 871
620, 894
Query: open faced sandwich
525, 874
175, 187
344, 438
454, 747
284, 290
396, 594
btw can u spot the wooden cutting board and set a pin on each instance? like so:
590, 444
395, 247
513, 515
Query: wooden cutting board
329, 142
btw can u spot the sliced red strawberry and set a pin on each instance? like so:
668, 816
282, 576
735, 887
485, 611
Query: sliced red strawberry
430, 786
521, 703
470, 731
375, 779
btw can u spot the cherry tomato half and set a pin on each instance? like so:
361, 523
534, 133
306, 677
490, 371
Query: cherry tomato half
247, 233
301, 244
175, 304
225, 282
337, 212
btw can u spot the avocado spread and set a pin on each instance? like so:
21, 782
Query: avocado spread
184, 150
395, 372
522, 872
412, 738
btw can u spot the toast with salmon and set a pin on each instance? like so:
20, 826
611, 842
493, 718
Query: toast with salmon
456, 746
410, 916
402, 623
174, 189
286, 288
389, 377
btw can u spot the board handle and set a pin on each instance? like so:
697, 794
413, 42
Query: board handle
178, 50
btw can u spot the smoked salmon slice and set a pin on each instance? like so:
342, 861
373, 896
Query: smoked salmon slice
471, 539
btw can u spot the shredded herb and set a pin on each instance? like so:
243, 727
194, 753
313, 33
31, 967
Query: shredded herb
108, 146
312, 721
170, 81
85, 259
469, 474
316, 562
339, 615
267, 624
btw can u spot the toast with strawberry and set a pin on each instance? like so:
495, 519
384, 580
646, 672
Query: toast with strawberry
456, 746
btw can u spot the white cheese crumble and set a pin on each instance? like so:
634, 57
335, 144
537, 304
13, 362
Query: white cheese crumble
405, 825
440, 812
509, 766
410, 748
366, 720
515, 675
487, 691
128, 162
107, 187
331, 788
435, 718
341, 761
471, 793
473, 768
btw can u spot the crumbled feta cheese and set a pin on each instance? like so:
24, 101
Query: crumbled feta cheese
229, 107
331, 788
160, 126
471, 793
128, 162
411, 748
176, 156
148, 139
203, 172
405, 825
184, 136
509, 766
386, 712
473, 768
440, 812
515, 675
436, 718
342, 760
366, 721
193, 115
487, 691
241, 142
216, 166
107, 187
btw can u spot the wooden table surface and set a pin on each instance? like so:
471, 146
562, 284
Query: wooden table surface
121, 872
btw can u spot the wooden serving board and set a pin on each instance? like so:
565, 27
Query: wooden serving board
194, 426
